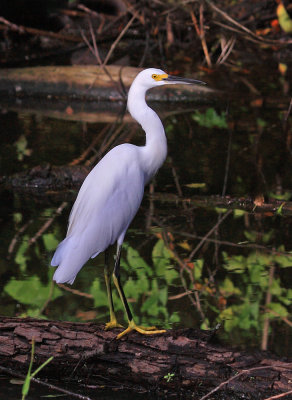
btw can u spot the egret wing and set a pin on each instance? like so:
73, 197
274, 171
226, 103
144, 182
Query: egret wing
106, 204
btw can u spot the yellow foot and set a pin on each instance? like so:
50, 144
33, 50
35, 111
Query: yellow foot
112, 324
141, 329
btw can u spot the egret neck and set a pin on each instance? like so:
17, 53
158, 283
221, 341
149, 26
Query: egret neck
155, 150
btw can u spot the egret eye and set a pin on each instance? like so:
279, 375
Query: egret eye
154, 76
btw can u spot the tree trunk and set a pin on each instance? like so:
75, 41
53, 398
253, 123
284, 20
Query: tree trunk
179, 361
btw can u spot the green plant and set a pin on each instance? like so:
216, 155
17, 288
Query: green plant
210, 118
169, 377
30, 375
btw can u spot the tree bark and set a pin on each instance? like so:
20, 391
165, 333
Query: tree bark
179, 361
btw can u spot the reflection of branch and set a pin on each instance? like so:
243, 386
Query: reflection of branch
231, 203
265, 335
284, 319
200, 244
243, 372
151, 207
184, 267
74, 291
15, 238
86, 152
48, 385
52, 285
105, 146
47, 224
180, 295
279, 396
231, 244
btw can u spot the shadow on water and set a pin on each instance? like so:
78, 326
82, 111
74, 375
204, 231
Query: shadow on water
183, 265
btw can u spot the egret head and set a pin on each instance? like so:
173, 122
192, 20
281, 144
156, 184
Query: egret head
151, 77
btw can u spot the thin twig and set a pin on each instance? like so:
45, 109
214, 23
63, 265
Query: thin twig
284, 319
47, 224
191, 256
151, 207
265, 335
48, 385
106, 144
38, 32
86, 152
75, 291
243, 372
279, 396
286, 116
180, 295
94, 51
113, 46
51, 291
183, 267
201, 34
226, 50
16, 236
88, 10
242, 29
226, 243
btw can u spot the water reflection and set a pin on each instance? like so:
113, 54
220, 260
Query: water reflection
183, 264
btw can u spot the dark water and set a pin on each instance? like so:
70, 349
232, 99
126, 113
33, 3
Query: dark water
181, 265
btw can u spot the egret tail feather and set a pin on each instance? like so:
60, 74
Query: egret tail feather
70, 258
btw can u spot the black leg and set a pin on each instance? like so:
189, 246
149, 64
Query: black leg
132, 326
113, 320
117, 281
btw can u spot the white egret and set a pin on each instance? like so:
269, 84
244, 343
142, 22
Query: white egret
111, 194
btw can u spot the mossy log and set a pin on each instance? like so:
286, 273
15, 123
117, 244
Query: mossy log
88, 82
42, 180
178, 361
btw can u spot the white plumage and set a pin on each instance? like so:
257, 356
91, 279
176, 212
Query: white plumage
111, 194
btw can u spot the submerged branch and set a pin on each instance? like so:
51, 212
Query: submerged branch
229, 203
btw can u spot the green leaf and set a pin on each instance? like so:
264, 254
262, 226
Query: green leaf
283, 260
99, 294
20, 257
198, 268
251, 236
136, 288
163, 295
170, 275
50, 241
17, 217
196, 185
174, 318
238, 213
161, 257
276, 289
279, 309
228, 288
150, 305
210, 119
261, 123
236, 264
137, 263
31, 291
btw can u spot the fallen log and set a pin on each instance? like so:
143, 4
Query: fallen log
89, 82
42, 180
179, 361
